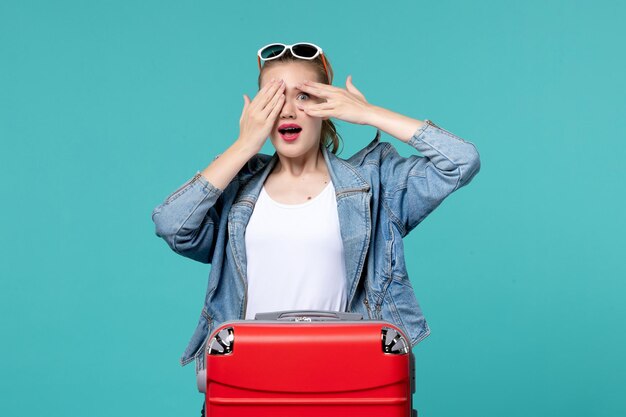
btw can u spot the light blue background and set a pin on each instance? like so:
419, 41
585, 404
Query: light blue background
107, 107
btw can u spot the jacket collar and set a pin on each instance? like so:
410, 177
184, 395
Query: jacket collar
353, 205
344, 177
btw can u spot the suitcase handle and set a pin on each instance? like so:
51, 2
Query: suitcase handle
308, 315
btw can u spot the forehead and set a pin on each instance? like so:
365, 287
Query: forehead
291, 72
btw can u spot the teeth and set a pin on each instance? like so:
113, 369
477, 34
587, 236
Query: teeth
290, 130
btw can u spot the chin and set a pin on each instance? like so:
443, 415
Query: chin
295, 149
290, 151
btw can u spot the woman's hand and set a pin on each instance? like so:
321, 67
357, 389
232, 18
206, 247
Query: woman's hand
345, 104
258, 117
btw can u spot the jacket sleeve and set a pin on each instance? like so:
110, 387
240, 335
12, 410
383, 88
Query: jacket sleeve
188, 218
415, 186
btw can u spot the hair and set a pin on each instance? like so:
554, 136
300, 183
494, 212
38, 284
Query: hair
329, 136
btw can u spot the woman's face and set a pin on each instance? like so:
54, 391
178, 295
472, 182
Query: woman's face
308, 139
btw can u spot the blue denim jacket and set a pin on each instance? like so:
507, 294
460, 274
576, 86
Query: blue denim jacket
381, 196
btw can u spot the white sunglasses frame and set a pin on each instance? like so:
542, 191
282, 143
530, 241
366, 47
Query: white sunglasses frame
319, 50
289, 47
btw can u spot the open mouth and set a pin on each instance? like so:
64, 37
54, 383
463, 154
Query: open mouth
290, 130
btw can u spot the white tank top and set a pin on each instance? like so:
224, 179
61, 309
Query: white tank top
295, 258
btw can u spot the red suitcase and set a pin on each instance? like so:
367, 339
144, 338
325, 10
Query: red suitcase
308, 364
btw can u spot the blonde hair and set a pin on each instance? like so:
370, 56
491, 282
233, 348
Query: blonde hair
329, 136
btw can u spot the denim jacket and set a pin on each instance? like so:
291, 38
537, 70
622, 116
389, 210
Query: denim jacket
381, 196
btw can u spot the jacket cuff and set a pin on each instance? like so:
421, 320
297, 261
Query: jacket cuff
207, 185
447, 150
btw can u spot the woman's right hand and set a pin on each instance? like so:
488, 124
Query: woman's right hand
259, 115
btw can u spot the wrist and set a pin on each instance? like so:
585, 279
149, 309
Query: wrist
373, 115
245, 148
395, 124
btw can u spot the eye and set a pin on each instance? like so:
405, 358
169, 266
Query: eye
303, 94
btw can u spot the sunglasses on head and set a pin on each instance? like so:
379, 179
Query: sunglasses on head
302, 50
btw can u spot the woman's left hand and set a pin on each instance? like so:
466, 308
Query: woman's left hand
345, 104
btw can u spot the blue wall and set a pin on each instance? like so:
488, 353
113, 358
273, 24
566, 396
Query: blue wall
107, 107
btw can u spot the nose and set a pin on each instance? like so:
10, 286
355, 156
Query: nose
288, 111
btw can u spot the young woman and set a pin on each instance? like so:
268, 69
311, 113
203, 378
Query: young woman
303, 228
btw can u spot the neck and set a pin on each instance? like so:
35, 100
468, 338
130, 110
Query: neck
310, 163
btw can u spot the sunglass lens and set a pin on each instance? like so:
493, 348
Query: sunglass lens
304, 51
272, 51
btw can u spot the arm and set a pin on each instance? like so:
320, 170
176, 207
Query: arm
395, 124
222, 170
415, 186
188, 217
